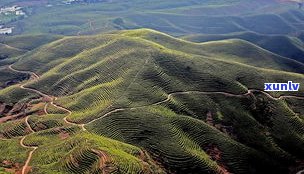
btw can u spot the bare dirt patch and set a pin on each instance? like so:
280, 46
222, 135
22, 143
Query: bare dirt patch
216, 155
4, 108
27, 170
223, 128
19, 110
11, 167
105, 161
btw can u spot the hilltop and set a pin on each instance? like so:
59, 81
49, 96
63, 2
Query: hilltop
142, 101
286, 46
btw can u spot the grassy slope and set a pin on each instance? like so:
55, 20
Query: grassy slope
9, 51
7, 76
141, 67
11, 47
230, 50
28, 42
13, 94
87, 153
283, 45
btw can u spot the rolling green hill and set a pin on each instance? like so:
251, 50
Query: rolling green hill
141, 101
12, 47
28, 42
285, 46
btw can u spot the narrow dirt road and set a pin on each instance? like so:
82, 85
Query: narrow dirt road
48, 97
24, 72
35, 77
28, 124
26, 165
45, 109
68, 114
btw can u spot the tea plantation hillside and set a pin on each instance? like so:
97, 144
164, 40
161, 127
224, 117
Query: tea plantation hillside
28, 42
141, 101
285, 46
14, 46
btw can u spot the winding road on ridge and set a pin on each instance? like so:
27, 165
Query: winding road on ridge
52, 99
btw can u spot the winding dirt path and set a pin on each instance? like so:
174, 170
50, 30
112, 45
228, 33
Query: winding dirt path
24, 72
50, 99
28, 124
45, 109
68, 114
26, 165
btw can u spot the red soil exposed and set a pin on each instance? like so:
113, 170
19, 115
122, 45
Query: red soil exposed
105, 162
12, 167
18, 111
214, 152
225, 129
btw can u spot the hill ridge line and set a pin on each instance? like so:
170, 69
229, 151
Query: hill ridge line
15, 48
